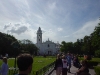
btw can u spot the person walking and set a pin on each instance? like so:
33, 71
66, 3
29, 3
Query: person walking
4, 67
64, 69
58, 65
69, 58
24, 63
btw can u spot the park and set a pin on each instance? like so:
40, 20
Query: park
59, 37
89, 45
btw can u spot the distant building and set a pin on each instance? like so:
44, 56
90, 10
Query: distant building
48, 47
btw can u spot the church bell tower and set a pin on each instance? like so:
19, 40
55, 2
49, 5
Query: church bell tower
39, 36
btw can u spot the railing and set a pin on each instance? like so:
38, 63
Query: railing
45, 70
12, 71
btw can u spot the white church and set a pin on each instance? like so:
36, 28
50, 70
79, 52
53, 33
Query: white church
48, 47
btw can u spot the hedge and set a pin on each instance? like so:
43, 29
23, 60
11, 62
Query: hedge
97, 70
93, 63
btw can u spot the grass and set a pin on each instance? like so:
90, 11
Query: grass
39, 62
96, 59
93, 59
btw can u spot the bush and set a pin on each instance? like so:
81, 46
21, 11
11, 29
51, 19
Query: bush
97, 70
92, 64
97, 53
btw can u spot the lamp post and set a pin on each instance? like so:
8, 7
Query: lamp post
15, 46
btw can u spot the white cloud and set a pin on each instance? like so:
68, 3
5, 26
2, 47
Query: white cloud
52, 6
87, 29
60, 29
59, 20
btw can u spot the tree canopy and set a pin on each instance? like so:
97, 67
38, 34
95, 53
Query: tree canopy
87, 45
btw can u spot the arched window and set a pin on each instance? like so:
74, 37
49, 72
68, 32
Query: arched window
39, 36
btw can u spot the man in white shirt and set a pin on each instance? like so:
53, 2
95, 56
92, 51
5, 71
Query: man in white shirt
64, 69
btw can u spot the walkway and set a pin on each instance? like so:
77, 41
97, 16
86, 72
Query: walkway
73, 70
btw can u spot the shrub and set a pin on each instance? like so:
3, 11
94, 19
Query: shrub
92, 64
97, 53
97, 70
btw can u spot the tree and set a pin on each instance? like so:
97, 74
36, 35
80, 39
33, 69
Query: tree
28, 46
5, 44
97, 53
96, 37
66, 47
63, 47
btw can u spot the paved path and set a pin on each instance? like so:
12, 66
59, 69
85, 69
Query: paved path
73, 70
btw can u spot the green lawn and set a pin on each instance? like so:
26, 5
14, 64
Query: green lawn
96, 59
39, 62
93, 59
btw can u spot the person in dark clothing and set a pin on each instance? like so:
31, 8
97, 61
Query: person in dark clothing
24, 63
58, 65
84, 69
76, 62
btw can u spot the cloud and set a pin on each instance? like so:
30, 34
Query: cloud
60, 20
18, 31
52, 6
6, 26
87, 29
60, 29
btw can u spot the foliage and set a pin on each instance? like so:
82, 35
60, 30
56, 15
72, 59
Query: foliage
28, 46
97, 70
97, 53
66, 47
92, 63
10, 45
5, 44
87, 45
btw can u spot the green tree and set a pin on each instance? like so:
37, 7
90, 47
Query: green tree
97, 53
96, 37
28, 46
66, 47
5, 44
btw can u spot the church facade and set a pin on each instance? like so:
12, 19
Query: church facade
48, 47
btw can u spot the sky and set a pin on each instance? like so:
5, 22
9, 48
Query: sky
60, 20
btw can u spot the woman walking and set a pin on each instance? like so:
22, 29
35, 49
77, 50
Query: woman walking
58, 65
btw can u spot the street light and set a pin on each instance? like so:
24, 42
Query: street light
15, 46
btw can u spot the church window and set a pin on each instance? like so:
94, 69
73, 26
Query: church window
48, 45
39, 39
39, 36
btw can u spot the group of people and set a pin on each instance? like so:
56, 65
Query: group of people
63, 65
